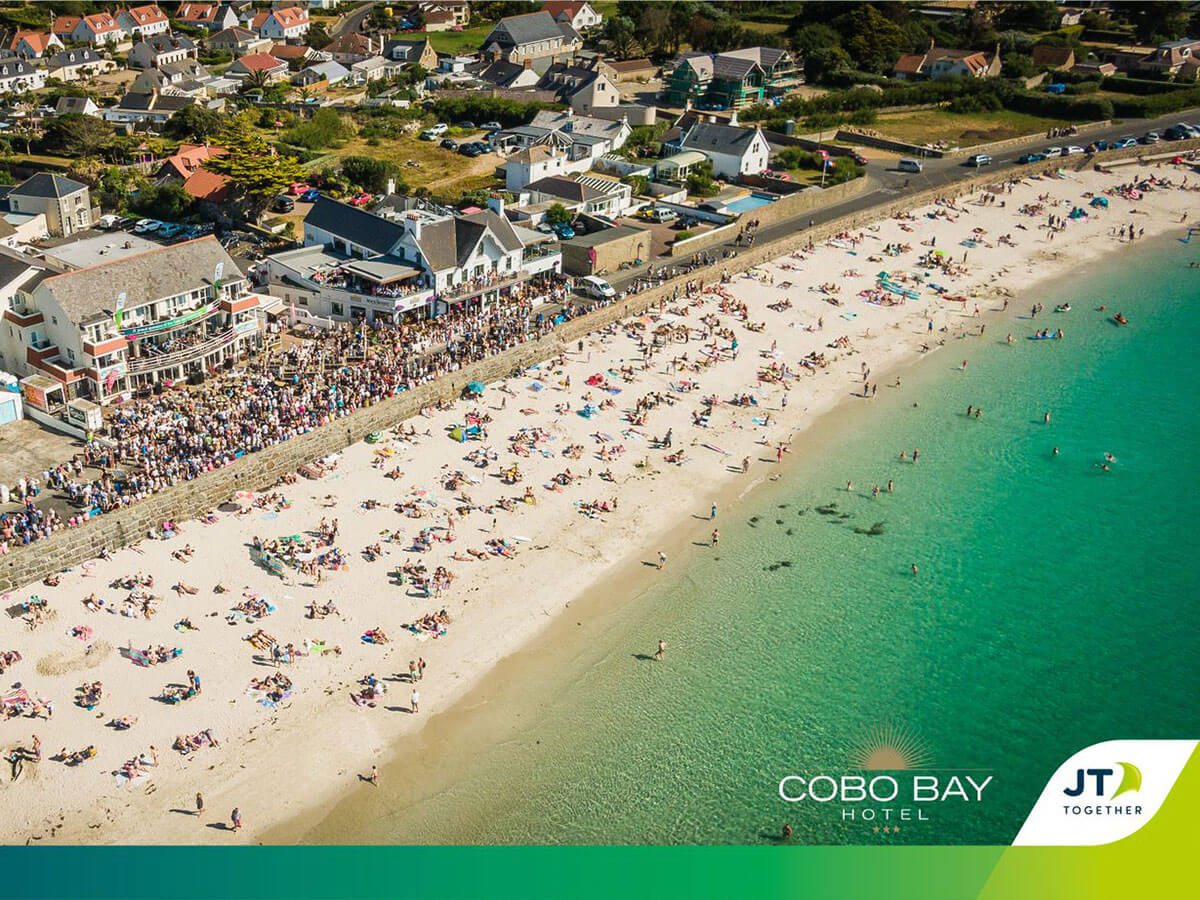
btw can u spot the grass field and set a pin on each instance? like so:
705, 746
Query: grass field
425, 164
961, 129
465, 41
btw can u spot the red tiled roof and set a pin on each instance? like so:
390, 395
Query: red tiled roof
65, 24
254, 62
101, 23
556, 7
196, 12
205, 185
910, 63
145, 15
38, 40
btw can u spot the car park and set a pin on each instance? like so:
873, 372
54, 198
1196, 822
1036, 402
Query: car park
1031, 158
979, 159
450, 144
564, 231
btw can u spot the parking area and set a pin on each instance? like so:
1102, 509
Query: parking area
663, 233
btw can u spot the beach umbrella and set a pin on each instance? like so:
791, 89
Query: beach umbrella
475, 387
457, 433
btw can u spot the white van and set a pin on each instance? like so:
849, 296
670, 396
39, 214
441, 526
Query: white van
596, 287
910, 165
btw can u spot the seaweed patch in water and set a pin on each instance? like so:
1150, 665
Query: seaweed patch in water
790, 531
846, 516
874, 530
779, 521
828, 510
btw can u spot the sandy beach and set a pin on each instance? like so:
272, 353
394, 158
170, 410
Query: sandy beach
743, 375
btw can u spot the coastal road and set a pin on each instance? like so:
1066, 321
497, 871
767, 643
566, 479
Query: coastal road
351, 21
888, 185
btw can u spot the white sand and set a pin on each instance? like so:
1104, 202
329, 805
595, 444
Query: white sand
276, 764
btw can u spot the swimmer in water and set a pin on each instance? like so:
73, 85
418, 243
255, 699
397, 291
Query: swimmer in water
1108, 457
1054, 452
1011, 339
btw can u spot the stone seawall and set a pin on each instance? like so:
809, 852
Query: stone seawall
256, 471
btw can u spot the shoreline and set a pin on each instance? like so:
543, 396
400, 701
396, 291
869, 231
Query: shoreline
525, 628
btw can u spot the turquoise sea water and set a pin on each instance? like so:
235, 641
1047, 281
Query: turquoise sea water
1057, 605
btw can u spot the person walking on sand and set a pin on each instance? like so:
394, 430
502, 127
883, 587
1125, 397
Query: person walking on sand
745, 464
412, 671
421, 668
199, 804
712, 513
716, 537
236, 818
662, 559
374, 777
415, 701
661, 651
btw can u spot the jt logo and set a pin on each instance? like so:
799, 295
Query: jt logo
1098, 774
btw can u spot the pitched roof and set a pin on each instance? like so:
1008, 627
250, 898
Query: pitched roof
259, 62
1045, 55
142, 277
351, 42
67, 104
196, 12
560, 186
290, 51
448, 243
140, 102
38, 41
328, 70
77, 56
355, 225
766, 57
727, 139
163, 43
909, 64
64, 25
14, 67
145, 15
101, 23
285, 17
211, 186
530, 27
190, 157
233, 34
46, 185
733, 67
557, 7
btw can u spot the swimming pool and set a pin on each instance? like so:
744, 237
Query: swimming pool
745, 204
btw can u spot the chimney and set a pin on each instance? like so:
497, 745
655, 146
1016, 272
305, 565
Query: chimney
390, 187
528, 64
497, 55
412, 222
733, 119
496, 204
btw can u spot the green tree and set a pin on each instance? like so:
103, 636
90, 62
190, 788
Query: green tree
324, 129
76, 135
1154, 21
317, 37
620, 35
814, 37
368, 173
558, 215
701, 181
872, 40
258, 173
169, 202
195, 123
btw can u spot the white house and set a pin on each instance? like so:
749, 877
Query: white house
533, 164
288, 23
579, 15
213, 16
144, 21
161, 48
77, 64
34, 44
98, 29
732, 150
17, 76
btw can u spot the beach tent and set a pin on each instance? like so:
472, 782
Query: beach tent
457, 433
1100, 202
475, 387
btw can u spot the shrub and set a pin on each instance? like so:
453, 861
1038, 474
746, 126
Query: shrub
682, 235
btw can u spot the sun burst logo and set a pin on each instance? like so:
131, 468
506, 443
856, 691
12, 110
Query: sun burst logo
890, 747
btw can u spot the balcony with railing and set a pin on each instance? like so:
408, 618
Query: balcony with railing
158, 361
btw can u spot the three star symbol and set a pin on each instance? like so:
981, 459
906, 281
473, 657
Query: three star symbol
887, 828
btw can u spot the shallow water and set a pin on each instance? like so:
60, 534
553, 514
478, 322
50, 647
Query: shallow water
1055, 606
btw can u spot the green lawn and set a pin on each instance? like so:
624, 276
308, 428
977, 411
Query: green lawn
465, 41
961, 129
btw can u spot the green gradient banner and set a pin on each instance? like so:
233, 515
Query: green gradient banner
1152, 862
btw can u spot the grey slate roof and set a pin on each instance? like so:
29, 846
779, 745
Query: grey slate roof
46, 186
447, 244
529, 28
143, 278
355, 225
718, 138
78, 56
163, 43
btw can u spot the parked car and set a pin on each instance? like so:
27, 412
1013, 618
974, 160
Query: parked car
1124, 142
126, 222
564, 231
147, 226
596, 287
465, 125
108, 223
661, 214
360, 199
170, 229
450, 144
1179, 132
310, 195
859, 158
1073, 150
1053, 151
1031, 158
470, 150
440, 128
492, 126
297, 188
910, 165
428, 135
1150, 137
979, 159
284, 204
